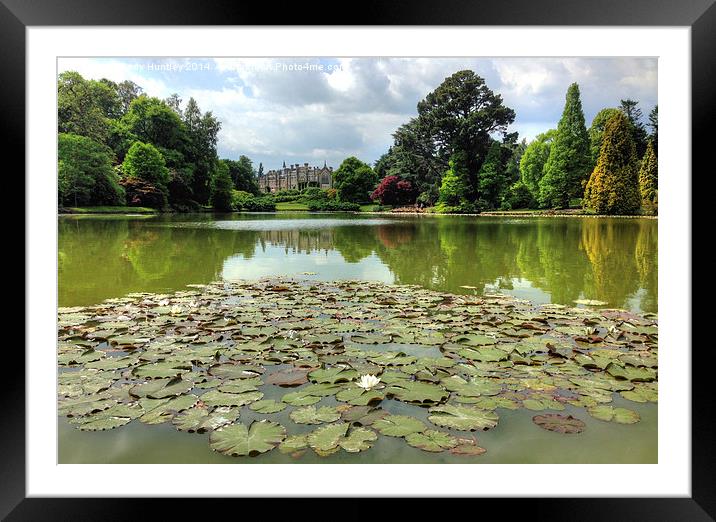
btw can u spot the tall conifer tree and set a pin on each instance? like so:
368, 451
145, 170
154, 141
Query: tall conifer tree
613, 187
648, 178
569, 158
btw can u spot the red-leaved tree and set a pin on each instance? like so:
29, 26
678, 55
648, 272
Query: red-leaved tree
394, 191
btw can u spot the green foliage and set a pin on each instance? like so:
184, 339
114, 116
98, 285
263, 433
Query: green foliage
332, 206
81, 106
354, 181
534, 159
152, 121
492, 179
286, 195
460, 115
638, 131
145, 162
654, 127
518, 196
648, 180
596, 132
314, 194
242, 200
568, 164
85, 173
452, 187
243, 175
613, 187
221, 189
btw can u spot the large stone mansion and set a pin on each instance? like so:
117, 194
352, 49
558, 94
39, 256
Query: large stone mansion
296, 177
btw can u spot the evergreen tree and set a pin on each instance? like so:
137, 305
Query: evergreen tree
596, 132
452, 186
491, 178
568, 163
633, 113
534, 159
654, 126
648, 178
221, 188
613, 187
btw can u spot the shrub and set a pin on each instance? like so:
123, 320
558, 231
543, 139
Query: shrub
518, 196
140, 193
314, 194
247, 202
393, 190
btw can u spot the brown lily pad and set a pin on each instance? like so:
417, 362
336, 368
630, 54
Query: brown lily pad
288, 378
559, 423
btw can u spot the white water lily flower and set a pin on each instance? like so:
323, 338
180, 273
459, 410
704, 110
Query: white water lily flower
175, 310
368, 382
590, 330
163, 302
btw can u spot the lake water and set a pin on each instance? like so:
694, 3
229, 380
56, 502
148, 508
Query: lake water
545, 260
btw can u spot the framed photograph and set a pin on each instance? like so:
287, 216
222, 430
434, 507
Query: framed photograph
409, 250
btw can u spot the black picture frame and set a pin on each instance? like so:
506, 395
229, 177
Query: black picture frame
699, 15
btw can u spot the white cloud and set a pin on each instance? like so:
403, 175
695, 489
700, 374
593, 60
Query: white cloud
310, 109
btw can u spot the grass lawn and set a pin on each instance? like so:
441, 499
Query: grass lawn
290, 205
110, 210
369, 208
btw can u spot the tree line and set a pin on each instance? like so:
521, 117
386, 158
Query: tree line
458, 156
118, 146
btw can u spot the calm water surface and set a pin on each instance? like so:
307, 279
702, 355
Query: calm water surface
545, 260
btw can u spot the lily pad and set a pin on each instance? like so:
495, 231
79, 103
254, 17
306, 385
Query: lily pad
398, 425
327, 438
219, 398
358, 439
239, 440
311, 415
417, 392
464, 418
610, 413
432, 440
267, 406
559, 423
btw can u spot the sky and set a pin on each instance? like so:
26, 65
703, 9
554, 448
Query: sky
325, 109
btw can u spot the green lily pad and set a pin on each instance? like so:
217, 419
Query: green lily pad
398, 425
417, 392
641, 394
464, 418
432, 440
610, 413
219, 398
358, 439
311, 415
161, 370
359, 396
162, 388
267, 406
165, 409
239, 440
294, 443
327, 438
332, 375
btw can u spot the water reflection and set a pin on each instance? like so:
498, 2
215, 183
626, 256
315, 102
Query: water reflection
550, 259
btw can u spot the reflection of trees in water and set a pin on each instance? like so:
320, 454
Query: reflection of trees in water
552, 260
107, 258
610, 248
601, 259
646, 257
